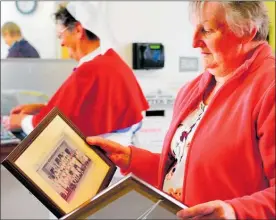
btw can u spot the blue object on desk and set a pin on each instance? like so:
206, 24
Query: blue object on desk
7, 137
19, 134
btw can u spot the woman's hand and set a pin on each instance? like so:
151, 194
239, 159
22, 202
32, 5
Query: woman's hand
210, 210
30, 109
13, 122
120, 155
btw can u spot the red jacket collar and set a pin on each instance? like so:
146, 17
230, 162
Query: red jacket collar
253, 60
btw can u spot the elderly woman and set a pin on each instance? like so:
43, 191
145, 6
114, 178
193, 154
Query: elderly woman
102, 95
218, 156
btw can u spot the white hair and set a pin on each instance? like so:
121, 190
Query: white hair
241, 16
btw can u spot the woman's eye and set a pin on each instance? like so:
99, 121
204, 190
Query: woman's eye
205, 30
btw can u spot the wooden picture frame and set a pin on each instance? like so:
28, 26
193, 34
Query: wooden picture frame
144, 202
57, 166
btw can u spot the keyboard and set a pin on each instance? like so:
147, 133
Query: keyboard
7, 137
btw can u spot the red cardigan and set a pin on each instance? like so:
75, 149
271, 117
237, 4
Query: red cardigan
232, 154
100, 96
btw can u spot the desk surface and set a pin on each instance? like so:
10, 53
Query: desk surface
6, 149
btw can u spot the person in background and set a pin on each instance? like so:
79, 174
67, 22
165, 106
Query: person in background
102, 95
19, 47
218, 156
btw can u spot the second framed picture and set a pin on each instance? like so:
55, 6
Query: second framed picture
129, 198
57, 165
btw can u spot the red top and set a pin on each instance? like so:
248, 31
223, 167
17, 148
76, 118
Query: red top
100, 96
232, 154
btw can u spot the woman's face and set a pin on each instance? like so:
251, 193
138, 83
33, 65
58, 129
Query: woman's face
220, 48
8, 38
68, 39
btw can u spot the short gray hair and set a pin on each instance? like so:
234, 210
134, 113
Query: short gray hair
242, 16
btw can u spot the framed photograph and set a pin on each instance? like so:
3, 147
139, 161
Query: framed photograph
130, 198
58, 167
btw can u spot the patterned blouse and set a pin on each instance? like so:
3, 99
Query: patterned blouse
182, 138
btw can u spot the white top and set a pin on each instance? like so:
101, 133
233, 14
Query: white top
173, 183
26, 123
90, 56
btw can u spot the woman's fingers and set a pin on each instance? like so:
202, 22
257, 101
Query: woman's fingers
119, 154
108, 146
16, 110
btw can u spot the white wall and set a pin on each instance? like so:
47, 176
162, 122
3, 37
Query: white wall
38, 28
154, 21
129, 21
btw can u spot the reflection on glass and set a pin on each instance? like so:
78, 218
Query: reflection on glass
159, 213
133, 205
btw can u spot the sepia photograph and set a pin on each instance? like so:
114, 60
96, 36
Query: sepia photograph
65, 168
65, 172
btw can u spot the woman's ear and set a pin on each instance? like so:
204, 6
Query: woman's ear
250, 35
80, 31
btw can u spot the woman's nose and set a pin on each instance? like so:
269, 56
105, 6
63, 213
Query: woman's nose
197, 39
62, 43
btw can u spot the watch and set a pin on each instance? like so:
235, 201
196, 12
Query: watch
26, 7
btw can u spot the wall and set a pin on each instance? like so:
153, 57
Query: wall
129, 22
157, 21
38, 28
